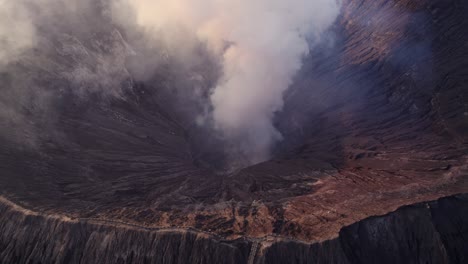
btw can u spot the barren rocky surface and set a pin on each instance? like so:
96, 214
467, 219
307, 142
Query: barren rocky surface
377, 123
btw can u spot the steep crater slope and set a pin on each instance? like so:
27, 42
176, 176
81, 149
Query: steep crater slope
438, 235
377, 121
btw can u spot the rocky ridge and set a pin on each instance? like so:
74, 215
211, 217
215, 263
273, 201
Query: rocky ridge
430, 232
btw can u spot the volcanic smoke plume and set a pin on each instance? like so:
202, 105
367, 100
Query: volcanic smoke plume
261, 44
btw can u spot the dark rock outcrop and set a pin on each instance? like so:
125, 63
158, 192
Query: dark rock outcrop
28, 237
432, 232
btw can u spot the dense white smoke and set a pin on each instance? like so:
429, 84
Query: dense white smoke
17, 32
262, 43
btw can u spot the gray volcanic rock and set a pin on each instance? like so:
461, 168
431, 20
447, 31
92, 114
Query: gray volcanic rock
430, 232
433, 232
28, 237
99, 166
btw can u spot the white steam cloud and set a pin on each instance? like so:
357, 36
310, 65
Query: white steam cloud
17, 33
262, 43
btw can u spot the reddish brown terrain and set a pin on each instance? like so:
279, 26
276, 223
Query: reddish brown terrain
376, 122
